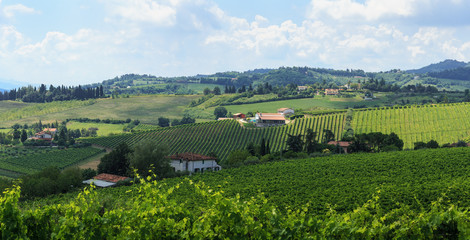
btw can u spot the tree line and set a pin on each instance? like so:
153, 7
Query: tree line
59, 93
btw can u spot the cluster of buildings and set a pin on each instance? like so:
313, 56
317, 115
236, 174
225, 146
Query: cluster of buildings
191, 162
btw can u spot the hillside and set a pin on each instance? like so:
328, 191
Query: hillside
439, 67
368, 196
222, 137
445, 123
462, 73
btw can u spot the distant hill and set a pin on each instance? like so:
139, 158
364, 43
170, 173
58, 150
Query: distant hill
462, 73
6, 85
439, 67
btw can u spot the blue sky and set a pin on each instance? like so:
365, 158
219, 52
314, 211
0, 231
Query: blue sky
84, 41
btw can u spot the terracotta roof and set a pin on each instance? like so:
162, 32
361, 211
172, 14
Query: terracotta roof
109, 177
236, 114
341, 143
190, 157
271, 116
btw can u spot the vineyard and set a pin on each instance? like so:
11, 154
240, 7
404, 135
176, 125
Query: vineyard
392, 195
445, 123
34, 161
222, 137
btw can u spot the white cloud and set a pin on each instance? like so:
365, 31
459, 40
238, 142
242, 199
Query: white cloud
370, 10
11, 10
144, 11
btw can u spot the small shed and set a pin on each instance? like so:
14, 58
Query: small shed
105, 180
239, 116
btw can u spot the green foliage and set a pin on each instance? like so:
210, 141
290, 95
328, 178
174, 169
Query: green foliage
294, 143
117, 161
170, 212
149, 155
220, 112
163, 122
50, 181
236, 158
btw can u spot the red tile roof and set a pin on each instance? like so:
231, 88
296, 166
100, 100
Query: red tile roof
272, 116
109, 177
341, 143
190, 157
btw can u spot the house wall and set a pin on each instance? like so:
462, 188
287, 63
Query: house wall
195, 166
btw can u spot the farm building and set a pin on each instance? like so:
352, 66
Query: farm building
105, 180
285, 111
329, 91
47, 134
193, 162
269, 119
342, 144
239, 115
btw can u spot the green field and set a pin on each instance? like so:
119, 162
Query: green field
104, 129
147, 109
222, 137
420, 194
445, 123
8, 105
306, 104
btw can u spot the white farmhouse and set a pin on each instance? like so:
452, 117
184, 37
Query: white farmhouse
193, 162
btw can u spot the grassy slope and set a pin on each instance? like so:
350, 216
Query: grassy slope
103, 128
304, 104
145, 108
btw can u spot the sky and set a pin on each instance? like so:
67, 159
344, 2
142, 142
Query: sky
87, 41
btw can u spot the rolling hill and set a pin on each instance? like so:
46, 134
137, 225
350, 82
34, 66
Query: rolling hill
439, 67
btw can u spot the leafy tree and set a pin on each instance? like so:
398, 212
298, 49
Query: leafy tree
163, 122
187, 120
149, 155
432, 144
24, 136
220, 112
262, 150
16, 134
117, 161
216, 91
328, 135
310, 142
359, 144
251, 148
393, 139
419, 145
206, 91
294, 143
237, 158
